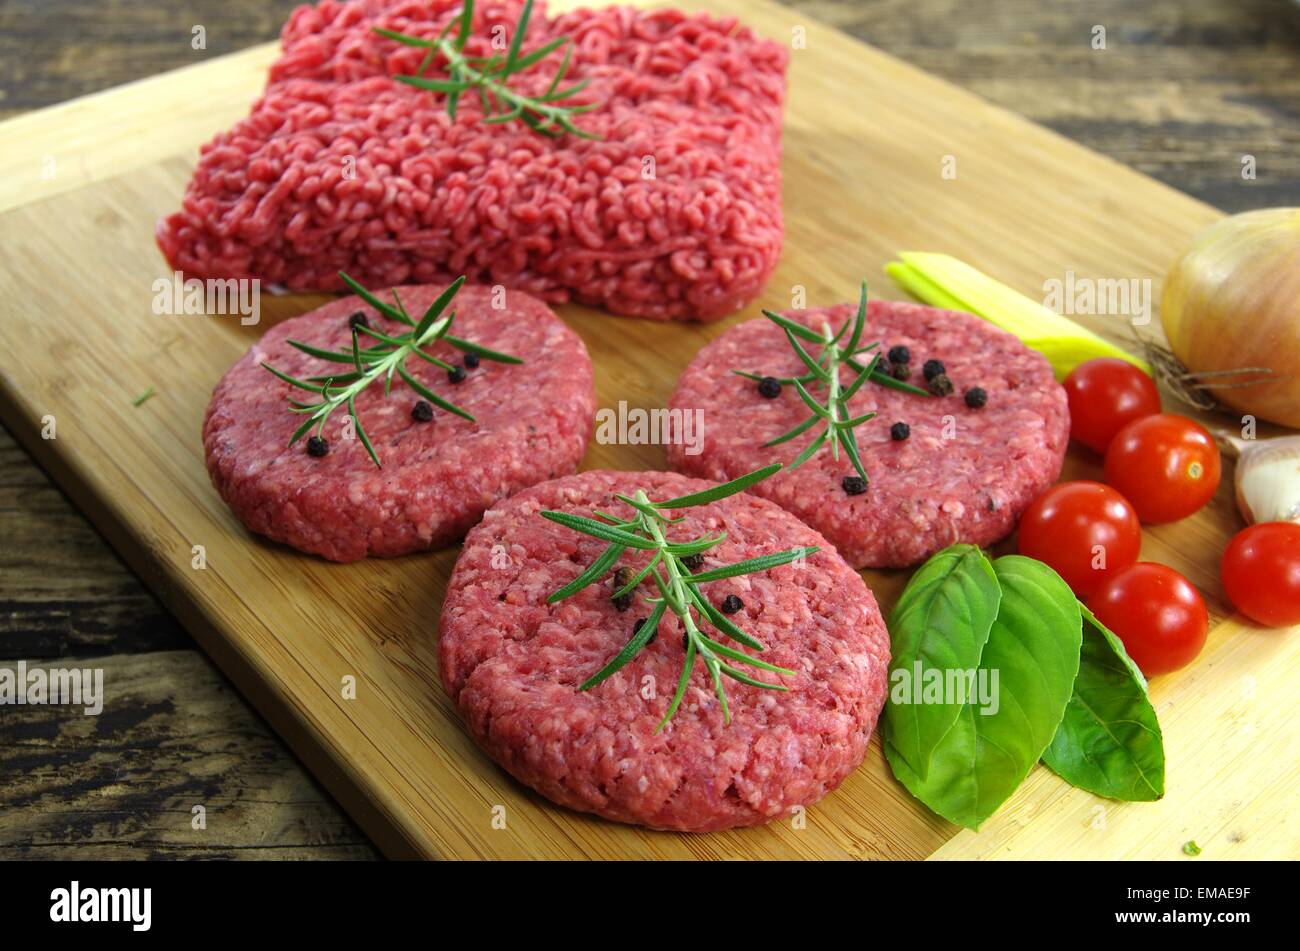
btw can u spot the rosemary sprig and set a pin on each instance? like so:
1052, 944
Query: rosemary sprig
383, 360
488, 76
824, 371
679, 590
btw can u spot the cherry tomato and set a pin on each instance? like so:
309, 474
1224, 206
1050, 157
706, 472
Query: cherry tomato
1085, 531
1105, 395
1167, 466
1156, 612
1261, 573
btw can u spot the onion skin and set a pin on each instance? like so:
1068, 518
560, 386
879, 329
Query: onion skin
1233, 301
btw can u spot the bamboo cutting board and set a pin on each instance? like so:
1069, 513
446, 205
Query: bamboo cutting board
81, 186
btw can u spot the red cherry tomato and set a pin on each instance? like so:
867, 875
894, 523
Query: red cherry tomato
1085, 531
1167, 466
1105, 395
1261, 573
1156, 612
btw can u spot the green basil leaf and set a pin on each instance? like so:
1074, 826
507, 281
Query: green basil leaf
1034, 648
941, 622
1109, 741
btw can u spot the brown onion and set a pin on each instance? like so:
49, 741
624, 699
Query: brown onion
1232, 302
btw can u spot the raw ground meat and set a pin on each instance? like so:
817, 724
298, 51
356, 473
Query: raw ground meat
674, 213
927, 491
438, 477
513, 663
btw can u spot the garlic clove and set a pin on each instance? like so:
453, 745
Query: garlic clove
1268, 479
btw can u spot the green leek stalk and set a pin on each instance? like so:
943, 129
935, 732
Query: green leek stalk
943, 281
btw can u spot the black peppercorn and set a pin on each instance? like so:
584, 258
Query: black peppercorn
853, 485
731, 604
693, 562
769, 387
456, 374
940, 385
900, 354
636, 629
358, 320
899, 431
622, 578
900, 371
932, 369
472, 361
976, 397
421, 412
316, 446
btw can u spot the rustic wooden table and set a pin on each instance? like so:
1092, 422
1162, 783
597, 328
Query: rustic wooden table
1183, 92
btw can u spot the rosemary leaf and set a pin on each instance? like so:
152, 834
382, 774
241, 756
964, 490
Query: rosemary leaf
361, 430
850, 443
812, 404
543, 51
386, 309
719, 491
637, 578
725, 624
589, 526
810, 451
862, 377
322, 354
431, 396
302, 430
436, 308
751, 565
694, 548
887, 381
301, 384
594, 573
791, 434
813, 367
798, 329
736, 674
430, 358
733, 654
638, 641
687, 666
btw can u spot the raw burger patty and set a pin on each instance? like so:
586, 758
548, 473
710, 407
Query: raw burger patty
927, 491
513, 664
438, 477
672, 211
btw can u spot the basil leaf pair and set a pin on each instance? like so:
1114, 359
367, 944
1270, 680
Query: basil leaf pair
1038, 676
1012, 624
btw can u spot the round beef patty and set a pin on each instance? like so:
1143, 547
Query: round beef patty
439, 474
961, 474
513, 664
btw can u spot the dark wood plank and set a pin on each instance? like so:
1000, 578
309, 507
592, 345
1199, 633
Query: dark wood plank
53, 50
173, 735
1182, 90
64, 593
